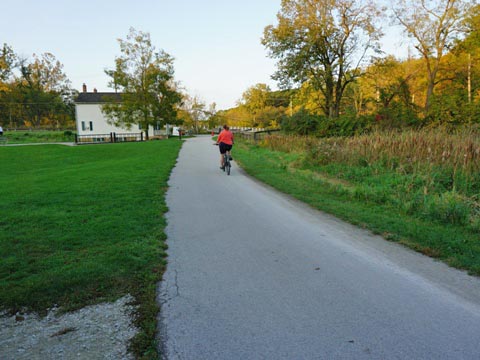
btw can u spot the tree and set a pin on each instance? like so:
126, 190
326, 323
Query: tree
145, 80
301, 123
44, 89
46, 73
388, 82
265, 107
468, 53
324, 42
194, 108
237, 116
7, 63
214, 117
434, 26
255, 98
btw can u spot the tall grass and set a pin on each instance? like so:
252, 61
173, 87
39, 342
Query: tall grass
409, 148
430, 173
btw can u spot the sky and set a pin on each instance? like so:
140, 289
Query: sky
216, 44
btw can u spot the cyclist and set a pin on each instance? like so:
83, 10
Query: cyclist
225, 142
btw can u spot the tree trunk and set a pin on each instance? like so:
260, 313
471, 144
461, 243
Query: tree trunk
430, 86
329, 101
145, 124
429, 96
338, 97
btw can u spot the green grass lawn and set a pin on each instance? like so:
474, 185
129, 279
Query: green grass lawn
38, 136
84, 224
367, 201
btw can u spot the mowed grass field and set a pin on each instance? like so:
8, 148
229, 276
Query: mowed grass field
81, 225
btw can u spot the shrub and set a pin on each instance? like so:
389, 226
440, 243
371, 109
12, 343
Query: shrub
301, 123
449, 208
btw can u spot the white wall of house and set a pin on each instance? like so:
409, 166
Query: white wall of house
91, 121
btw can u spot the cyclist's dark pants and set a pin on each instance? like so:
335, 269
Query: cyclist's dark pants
224, 148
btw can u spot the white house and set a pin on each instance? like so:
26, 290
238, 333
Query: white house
92, 124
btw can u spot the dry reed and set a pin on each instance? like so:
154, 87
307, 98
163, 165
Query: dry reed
460, 152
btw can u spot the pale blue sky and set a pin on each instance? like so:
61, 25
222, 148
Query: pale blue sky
215, 43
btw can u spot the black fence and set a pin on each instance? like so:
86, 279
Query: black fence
108, 138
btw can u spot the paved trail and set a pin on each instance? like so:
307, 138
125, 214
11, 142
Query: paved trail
253, 274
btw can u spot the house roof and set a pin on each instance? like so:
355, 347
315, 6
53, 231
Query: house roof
97, 97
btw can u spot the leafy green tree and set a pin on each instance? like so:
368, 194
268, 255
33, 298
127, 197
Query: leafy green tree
467, 54
194, 108
301, 123
324, 42
43, 90
472, 24
34, 92
271, 117
7, 63
145, 79
434, 25
215, 120
388, 83
46, 73
237, 116
255, 98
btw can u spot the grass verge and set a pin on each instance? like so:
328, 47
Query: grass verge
82, 225
39, 136
455, 244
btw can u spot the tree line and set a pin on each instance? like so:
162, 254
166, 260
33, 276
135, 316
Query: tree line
34, 92
331, 71
335, 79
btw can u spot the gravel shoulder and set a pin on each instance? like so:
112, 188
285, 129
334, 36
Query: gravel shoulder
100, 331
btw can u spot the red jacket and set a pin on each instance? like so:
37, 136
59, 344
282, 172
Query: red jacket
226, 136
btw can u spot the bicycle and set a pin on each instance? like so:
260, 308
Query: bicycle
226, 162
227, 166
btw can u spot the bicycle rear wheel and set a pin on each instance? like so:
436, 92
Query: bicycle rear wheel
226, 163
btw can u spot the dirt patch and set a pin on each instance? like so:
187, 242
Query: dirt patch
94, 332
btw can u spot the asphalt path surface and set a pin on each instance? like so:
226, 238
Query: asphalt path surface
254, 274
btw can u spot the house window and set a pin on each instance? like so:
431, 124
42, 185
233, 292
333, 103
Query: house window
91, 125
139, 126
83, 126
